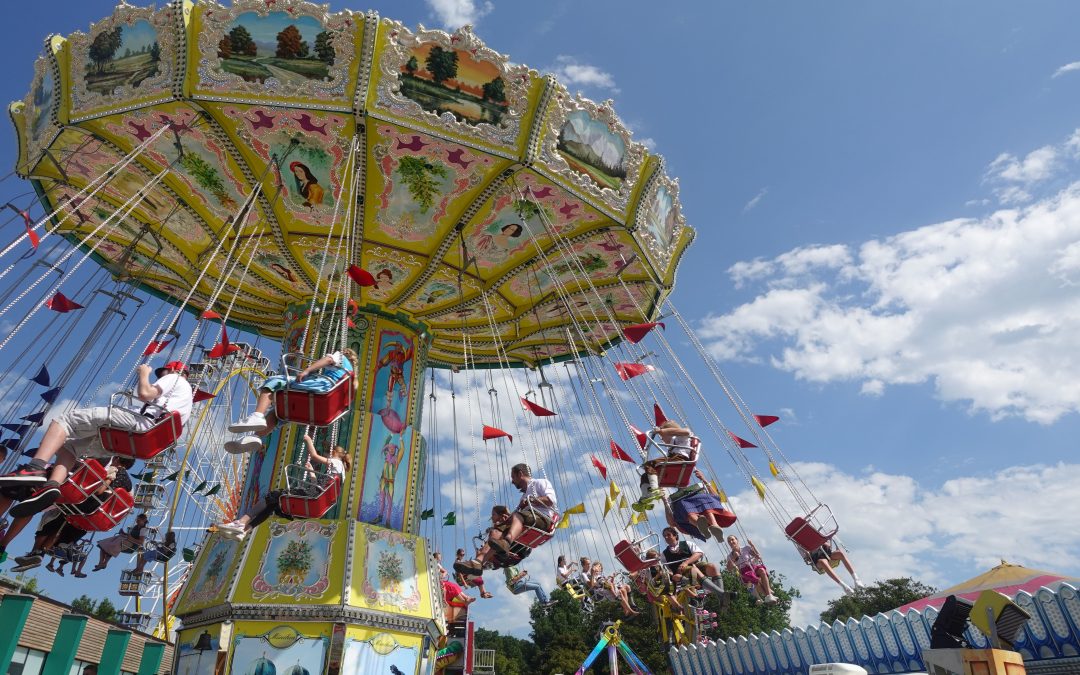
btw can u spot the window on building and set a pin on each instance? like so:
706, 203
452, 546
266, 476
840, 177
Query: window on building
27, 662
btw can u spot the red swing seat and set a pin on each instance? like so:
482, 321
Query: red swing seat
110, 514
530, 538
814, 530
677, 473
633, 557
83, 482
308, 498
310, 408
142, 445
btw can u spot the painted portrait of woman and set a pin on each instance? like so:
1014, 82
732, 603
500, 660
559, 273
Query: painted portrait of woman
306, 184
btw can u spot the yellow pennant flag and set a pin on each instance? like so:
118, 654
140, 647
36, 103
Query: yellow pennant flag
614, 490
759, 486
636, 518
608, 503
773, 470
580, 508
623, 504
722, 496
564, 522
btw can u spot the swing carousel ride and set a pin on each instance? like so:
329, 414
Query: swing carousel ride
498, 252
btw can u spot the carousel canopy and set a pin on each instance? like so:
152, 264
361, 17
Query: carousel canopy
481, 195
1007, 579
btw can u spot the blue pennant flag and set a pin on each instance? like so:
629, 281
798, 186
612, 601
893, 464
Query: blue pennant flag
34, 418
51, 395
9, 443
42, 377
19, 429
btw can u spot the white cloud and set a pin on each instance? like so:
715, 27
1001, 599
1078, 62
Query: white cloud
1067, 68
984, 309
1016, 180
756, 199
454, 14
571, 73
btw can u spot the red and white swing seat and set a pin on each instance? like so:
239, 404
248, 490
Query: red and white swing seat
84, 481
813, 530
310, 408
110, 514
531, 537
309, 495
632, 557
677, 473
142, 445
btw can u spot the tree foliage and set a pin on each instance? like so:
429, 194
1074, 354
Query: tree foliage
104, 47
744, 616
324, 48
513, 656
290, 44
495, 90
31, 586
411, 65
84, 604
442, 64
878, 597
420, 177
241, 43
102, 609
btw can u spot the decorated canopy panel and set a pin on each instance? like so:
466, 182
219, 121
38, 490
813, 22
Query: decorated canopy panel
253, 152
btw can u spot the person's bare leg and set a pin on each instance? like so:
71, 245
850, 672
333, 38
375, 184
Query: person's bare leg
517, 526
842, 557
827, 568
266, 398
5, 504
764, 585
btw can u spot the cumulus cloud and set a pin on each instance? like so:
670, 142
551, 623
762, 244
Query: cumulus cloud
1067, 68
572, 73
454, 14
985, 309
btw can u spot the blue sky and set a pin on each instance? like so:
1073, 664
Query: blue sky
887, 214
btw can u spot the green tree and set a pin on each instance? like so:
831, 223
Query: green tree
420, 175
224, 48
242, 42
411, 65
155, 52
289, 42
104, 47
442, 64
324, 49
878, 597
105, 610
495, 91
743, 615
513, 656
84, 604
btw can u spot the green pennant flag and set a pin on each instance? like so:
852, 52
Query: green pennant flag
172, 476
147, 477
214, 490
451, 519
199, 487
427, 513
189, 555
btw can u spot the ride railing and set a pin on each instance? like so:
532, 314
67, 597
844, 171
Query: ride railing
885, 643
483, 662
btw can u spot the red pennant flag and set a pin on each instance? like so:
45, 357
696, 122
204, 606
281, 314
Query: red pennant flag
628, 370
156, 347
61, 303
619, 453
658, 414
600, 467
536, 409
353, 307
361, 276
201, 395
492, 432
741, 442
636, 332
641, 436
222, 348
210, 314
766, 420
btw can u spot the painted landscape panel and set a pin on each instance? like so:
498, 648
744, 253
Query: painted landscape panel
124, 55
452, 80
591, 148
279, 45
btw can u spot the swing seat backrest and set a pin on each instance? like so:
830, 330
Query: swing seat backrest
111, 512
314, 409
83, 482
143, 445
632, 558
315, 506
805, 535
677, 473
532, 537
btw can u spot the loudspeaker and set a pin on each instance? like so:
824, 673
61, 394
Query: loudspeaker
948, 630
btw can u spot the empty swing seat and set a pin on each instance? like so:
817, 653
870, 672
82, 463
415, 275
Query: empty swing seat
133, 583
315, 505
83, 482
111, 512
678, 473
632, 557
812, 531
311, 408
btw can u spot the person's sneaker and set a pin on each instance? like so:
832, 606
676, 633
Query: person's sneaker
39, 500
27, 474
859, 584
469, 568
253, 422
32, 559
231, 530
244, 445
549, 603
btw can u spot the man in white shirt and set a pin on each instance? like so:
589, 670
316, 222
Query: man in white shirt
75, 434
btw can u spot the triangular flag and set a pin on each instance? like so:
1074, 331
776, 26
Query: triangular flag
759, 486
564, 522
492, 432
619, 453
42, 377
201, 395
214, 490
173, 475
773, 470
628, 370
61, 303
147, 477
50, 396
350, 322
361, 276
658, 414
578, 508
156, 347
19, 429
200, 486
536, 409
720, 494
636, 332
614, 490
623, 504
741, 442
450, 519
641, 436
210, 314
637, 517
10, 443
34, 418
608, 503
188, 554
222, 348
427, 513
766, 420
599, 467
